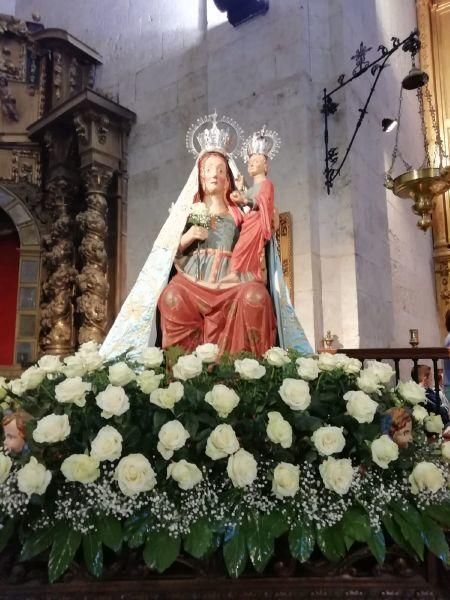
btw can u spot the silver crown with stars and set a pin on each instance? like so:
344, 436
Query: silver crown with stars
209, 133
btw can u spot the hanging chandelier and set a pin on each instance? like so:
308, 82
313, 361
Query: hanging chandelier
423, 184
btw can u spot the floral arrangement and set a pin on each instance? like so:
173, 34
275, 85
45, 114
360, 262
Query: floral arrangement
199, 215
186, 453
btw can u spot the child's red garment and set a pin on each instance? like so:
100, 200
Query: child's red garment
256, 230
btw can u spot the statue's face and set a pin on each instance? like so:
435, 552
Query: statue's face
257, 165
14, 441
403, 436
214, 174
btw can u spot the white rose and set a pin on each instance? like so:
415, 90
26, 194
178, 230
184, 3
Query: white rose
242, 468
168, 397
222, 442
384, 451
113, 401
50, 363
419, 413
412, 392
285, 481
52, 429
368, 382
74, 366
33, 377
278, 430
445, 449
17, 387
249, 368
120, 374
207, 353
329, 361
148, 382
135, 475
3, 388
434, 424
151, 357
337, 474
426, 476
295, 393
33, 478
277, 357
307, 368
172, 436
80, 467
89, 354
382, 370
72, 390
186, 474
187, 367
352, 366
223, 399
328, 440
360, 406
88, 348
107, 444
5, 467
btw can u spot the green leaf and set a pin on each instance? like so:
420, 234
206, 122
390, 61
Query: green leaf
199, 539
110, 530
410, 523
395, 532
377, 545
37, 542
277, 523
136, 528
235, 553
260, 539
6, 533
161, 550
65, 545
331, 542
356, 524
93, 553
434, 538
302, 540
440, 513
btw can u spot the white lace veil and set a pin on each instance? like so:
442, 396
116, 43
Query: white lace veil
132, 328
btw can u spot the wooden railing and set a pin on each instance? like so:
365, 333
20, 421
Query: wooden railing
395, 355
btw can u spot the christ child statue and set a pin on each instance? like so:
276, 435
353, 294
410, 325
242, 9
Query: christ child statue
248, 260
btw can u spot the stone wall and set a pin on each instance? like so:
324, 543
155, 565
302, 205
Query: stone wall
358, 254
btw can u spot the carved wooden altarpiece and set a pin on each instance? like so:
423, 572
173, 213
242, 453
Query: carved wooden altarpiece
63, 176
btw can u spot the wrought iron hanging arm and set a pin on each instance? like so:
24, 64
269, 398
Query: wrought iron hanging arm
329, 105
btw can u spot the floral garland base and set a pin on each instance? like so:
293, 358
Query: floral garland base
175, 453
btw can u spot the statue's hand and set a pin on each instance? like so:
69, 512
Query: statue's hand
193, 234
237, 197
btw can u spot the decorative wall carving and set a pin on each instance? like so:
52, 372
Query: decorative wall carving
57, 310
93, 279
57, 74
8, 102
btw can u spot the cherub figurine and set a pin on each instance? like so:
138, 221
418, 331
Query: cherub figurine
247, 260
401, 426
14, 430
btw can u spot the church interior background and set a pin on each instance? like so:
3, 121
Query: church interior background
359, 268
96, 98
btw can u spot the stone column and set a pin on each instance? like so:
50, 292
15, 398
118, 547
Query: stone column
93, 278
57, 310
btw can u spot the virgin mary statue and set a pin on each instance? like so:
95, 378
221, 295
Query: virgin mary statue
251, 314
